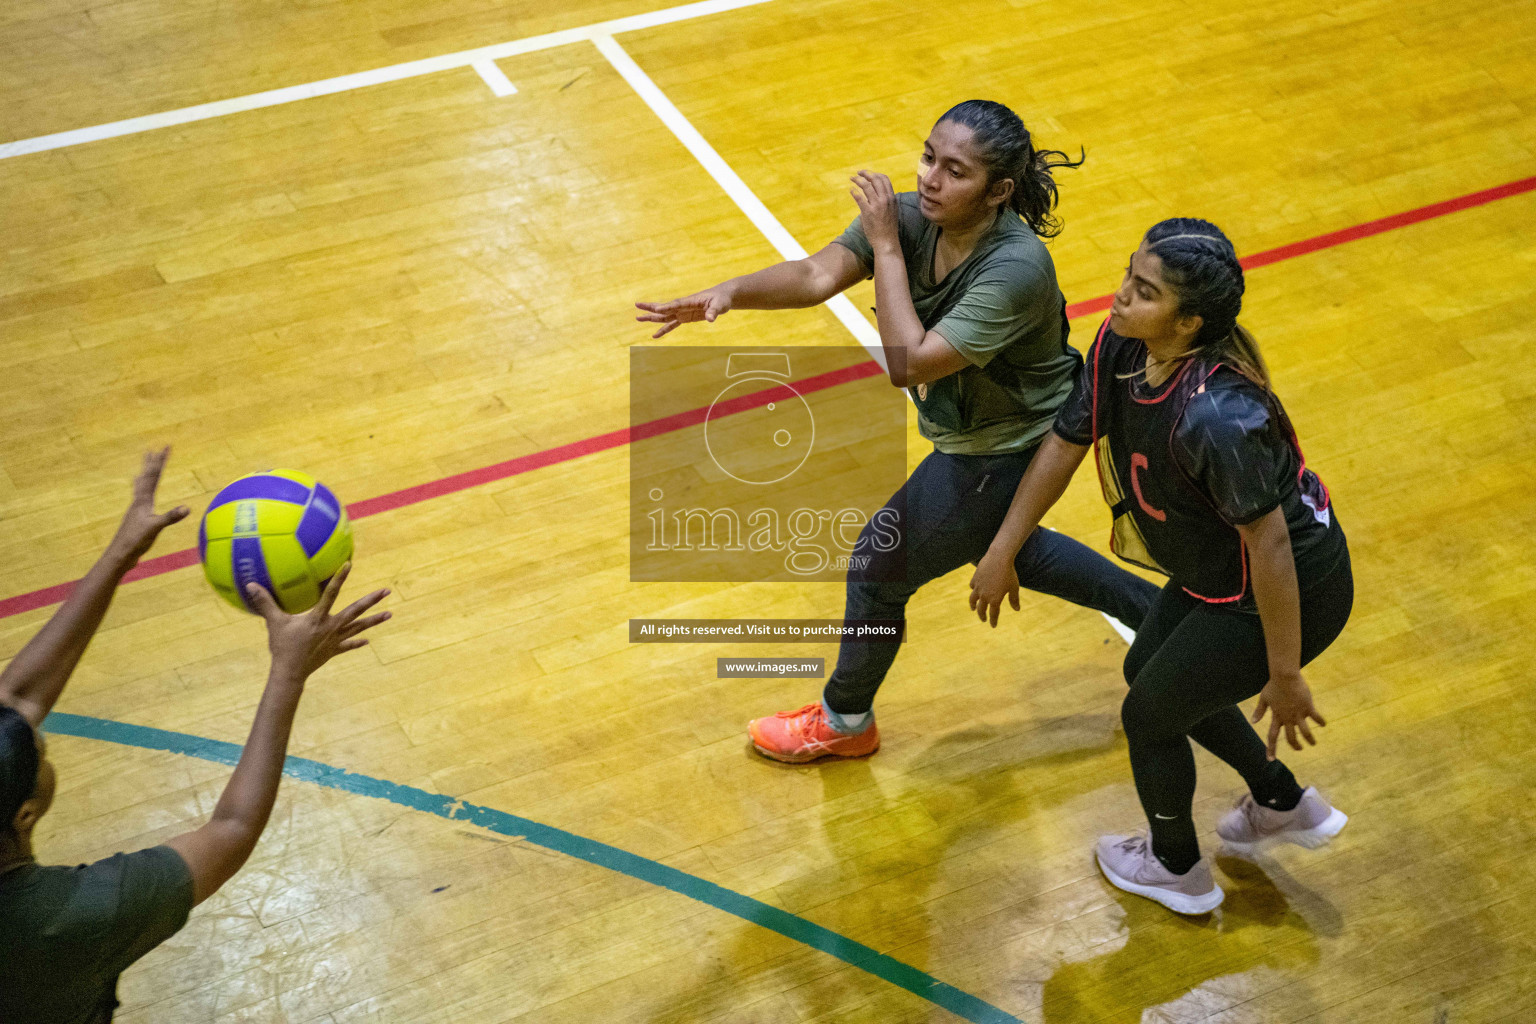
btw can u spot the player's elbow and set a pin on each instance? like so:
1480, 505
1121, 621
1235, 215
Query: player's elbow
817, 283
1267, 534
910, 364
906, 369
13, 698
238, 829
215, 853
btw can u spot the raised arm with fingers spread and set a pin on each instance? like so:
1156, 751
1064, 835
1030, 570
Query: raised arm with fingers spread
913, 354
1042, 486
35, 678
299, 645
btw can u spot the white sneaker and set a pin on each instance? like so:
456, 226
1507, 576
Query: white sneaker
1129, 864
1250, 826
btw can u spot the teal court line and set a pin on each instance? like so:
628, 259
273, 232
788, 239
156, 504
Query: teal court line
856, 954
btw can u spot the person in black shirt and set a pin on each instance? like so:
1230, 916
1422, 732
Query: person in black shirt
67, 933
1206, 484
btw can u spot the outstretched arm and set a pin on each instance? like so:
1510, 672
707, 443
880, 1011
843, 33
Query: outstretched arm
299, 644
793, 284
1042, 486
35, 678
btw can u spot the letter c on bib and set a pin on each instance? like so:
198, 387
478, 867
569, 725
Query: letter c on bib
1138, 463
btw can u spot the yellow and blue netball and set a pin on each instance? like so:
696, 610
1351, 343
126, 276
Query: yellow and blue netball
282, 529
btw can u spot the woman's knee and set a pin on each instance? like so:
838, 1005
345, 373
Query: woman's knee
1136, 714
1144, 719
1131, 666
876, 594
1136, 657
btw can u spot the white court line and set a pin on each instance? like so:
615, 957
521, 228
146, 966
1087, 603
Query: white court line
753, 207
481, 59
734, 187
499, 83
363, 79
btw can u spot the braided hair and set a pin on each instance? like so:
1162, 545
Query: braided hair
1201, 265
19, 761
1008, 151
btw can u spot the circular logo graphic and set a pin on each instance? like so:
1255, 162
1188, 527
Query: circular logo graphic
762, 443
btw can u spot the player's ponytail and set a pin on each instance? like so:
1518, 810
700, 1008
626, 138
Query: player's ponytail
1008, 151
19, 762
1244, 356
1201, 265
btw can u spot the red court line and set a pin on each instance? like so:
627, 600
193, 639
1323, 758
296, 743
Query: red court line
1359, 231
1397, 220
484, 475
587, 446
614, 439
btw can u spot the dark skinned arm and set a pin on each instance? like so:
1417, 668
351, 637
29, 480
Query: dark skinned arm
35, 678
913, 354
1042, 486
1286, 696
299, 645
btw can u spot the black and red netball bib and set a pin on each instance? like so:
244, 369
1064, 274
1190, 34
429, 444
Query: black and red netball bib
1165, 518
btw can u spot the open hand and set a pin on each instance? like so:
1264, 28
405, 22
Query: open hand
301, 643
141, 525
876, 199
1289, 700
995, 577
705, 305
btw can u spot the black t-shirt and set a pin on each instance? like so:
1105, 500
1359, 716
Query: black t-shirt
1231, 443
67, 933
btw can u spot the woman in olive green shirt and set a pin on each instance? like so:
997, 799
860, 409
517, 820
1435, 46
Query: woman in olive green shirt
973, 324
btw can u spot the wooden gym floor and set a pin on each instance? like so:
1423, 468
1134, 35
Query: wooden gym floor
414, 278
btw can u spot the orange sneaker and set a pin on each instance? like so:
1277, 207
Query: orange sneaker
805, 735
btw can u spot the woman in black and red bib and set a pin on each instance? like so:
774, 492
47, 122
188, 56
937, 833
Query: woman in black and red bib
1207, 485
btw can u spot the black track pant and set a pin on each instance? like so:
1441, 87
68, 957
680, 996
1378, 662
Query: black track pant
1191, 664
951, 508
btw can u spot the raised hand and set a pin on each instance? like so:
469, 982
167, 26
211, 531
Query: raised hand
301, 643
1289, 699
876, 199
705, 305
141, 524
35, 677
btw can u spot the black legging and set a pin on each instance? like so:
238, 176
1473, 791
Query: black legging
1191, 664
951, 508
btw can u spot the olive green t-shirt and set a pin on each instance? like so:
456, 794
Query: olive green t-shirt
1000, 308
67, 933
